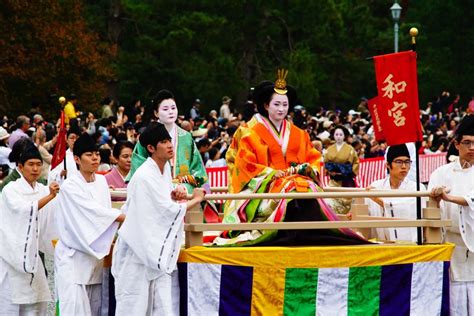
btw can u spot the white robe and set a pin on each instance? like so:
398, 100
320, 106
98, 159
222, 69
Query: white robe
147, 250
396, 207
55, 174
466, 221
86, 224
24, 231
461, 182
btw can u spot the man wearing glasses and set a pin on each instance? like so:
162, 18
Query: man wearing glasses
458, 177
398, 166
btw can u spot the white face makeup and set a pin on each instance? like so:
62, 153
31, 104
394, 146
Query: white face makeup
278, 108
339, 136
167, 111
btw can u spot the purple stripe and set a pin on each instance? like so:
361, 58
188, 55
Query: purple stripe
236, 290
395, 290
445, 298
183, 287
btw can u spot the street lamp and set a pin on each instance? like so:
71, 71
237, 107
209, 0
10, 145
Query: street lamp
396, 11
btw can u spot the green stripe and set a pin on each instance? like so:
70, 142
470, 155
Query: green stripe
364, 291
300, 291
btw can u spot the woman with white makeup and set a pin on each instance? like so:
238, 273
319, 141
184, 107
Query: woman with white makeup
187, 166
341, 160
275, 156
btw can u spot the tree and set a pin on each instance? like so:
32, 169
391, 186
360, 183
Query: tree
47, 48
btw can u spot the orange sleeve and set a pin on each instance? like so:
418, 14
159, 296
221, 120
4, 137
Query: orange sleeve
250, 161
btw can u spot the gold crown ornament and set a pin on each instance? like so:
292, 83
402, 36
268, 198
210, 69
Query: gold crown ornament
280, 83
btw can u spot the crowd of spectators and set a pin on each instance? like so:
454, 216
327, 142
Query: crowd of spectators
114, 123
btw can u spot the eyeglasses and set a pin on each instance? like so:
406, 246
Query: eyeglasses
400, 163
467, 143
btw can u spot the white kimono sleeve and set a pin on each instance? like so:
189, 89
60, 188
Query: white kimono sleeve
154, 225
83, 223
19, 231
466, 221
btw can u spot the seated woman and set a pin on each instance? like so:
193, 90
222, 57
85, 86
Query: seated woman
274, 156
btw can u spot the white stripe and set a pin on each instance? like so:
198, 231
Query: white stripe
426, 288
331, 296
204, 282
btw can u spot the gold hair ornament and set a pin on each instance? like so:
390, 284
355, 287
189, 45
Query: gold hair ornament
280, 83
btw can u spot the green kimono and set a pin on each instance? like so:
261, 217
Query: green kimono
187, 159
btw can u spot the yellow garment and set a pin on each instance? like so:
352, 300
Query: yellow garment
346, 154
69, 112
318, 256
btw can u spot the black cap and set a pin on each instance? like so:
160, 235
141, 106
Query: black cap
30, 152
397, 151
85, 143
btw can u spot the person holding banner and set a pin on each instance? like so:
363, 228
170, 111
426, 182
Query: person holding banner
398, 165
275, 156
67, 166
458, 178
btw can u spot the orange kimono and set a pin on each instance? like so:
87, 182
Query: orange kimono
260, 153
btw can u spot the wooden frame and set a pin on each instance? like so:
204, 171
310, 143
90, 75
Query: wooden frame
360, 220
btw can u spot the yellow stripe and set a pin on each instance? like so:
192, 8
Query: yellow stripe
321, 257
268, 291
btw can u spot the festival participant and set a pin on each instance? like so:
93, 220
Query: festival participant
276, 156
26, 227
146, 276
116, 177
466, 218
342, 164
14, 157
458, 177
61, 172
86, 225
398, 165
70, 109
341, 160
186, 165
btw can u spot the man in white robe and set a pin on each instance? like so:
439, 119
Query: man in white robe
145, 256
458, 177
86, 224
61, 172
398, 165
26, 227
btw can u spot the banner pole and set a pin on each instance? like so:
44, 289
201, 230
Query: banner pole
419, 233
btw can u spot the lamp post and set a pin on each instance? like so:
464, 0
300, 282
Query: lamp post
396, 10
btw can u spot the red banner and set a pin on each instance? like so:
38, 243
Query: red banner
376, 121
61, 147
397, 87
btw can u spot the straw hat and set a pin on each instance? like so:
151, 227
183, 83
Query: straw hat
3, 133
199, 132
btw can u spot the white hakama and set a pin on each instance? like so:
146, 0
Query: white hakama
24, 231
145, 257
396, 207
86, 224
461, 182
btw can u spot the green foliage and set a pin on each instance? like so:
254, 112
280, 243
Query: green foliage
206, 48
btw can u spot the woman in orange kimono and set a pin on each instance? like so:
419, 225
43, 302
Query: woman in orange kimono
273, 155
